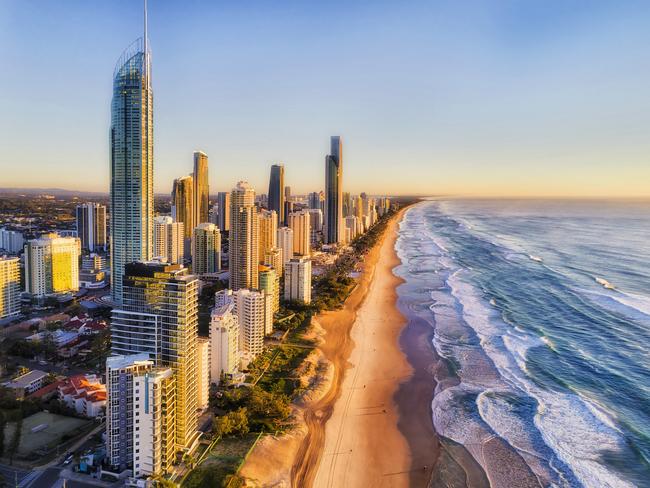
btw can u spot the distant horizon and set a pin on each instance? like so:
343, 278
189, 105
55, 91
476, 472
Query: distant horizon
71, 192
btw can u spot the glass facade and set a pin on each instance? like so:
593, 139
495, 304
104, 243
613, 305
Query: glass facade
159, 316
131, 146
334, 192
276, 191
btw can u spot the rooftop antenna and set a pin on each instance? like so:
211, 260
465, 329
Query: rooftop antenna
145, 28
146, 43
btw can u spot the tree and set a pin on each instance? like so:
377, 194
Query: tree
189, 460
15, 440
232, 423
3, 424
160, 482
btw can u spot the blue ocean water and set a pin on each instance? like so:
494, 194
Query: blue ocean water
542, 311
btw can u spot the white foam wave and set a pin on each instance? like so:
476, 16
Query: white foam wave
567, 424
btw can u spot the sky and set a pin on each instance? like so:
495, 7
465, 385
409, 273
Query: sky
493, 98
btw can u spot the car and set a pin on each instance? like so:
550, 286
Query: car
68, 460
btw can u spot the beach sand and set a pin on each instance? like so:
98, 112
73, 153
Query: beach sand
369, 354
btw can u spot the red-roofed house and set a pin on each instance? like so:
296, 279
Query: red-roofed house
85, 393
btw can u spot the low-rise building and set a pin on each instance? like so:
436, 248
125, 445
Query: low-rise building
86, 394
27, 383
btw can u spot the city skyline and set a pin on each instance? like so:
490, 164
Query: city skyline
499, 110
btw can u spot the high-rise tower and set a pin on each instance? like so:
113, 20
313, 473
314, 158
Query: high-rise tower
183, 203
91, 226
131, 153
276, 191
334, 192
159, 316
201, 190
244, 235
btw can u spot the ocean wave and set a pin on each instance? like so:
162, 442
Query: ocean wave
565, 422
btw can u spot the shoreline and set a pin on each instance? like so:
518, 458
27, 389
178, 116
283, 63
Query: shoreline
359, 435
294, 458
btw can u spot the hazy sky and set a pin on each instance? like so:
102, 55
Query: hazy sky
529, 97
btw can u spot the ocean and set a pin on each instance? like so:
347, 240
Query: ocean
540, 311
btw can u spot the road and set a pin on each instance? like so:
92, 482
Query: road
12, 474
47, 479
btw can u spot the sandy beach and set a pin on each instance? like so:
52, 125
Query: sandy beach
350, 435
364, 445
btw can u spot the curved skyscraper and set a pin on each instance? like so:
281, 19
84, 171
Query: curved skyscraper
276, 191
183, 203
131, 146
334, 192
201, 190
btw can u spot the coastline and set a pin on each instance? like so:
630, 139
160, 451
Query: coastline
363, 445
297, 458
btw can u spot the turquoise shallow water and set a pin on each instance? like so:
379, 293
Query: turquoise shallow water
542, 310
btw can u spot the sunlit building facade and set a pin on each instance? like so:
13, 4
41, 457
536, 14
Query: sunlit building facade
169, 241
270, 284
206, 249
131, 155
159, 317
9, 287
273, 259
183, 204
300, 224
52, 265
201, 188
268, 233
244, 238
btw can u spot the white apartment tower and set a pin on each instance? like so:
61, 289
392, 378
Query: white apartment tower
254, 310
297, 280
168, 239
224, 337
140, 415
285, 242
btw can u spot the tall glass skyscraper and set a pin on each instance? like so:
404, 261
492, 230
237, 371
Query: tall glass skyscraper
334, 192
276, 191
201, 189
131, 146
